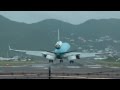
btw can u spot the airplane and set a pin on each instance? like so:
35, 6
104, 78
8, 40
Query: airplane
61, 52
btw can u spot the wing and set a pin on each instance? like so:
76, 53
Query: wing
78, 55
45, 54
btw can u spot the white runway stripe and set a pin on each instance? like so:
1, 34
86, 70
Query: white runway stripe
79, 77
70, 76
73, 66
45, 68
94, 66
12, 66
114, 67
39, 65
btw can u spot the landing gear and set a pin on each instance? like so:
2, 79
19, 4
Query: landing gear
71, 61
50, 61
61, 61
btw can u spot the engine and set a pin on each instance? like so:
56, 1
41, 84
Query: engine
73, 57
50, 57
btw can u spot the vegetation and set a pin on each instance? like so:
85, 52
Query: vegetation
20, 63
110, 62
43, 35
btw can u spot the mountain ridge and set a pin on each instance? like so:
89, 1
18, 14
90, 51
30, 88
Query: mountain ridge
43, 35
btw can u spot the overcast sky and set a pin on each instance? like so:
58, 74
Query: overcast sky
74, 17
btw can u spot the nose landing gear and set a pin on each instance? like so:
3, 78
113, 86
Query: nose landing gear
61, 61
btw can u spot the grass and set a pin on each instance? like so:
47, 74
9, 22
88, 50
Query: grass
17, 63
111, 63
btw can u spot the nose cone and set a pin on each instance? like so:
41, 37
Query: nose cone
64, 48
57, 46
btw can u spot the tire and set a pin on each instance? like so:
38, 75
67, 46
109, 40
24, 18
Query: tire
61, 61
50, 61
71, 62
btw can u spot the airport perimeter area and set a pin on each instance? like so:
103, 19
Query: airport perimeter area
83, 70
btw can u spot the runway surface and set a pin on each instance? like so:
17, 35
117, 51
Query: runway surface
86, 69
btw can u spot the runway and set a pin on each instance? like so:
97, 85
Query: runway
84, 70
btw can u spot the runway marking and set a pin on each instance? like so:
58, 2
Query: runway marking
73, 66
100, 78
79, 77
69, 76
11, 75
45, 68
114, 67
95, 67
12, 66
39, 65
17, 75
54, 76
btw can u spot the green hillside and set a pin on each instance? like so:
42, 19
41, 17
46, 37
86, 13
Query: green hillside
43, 35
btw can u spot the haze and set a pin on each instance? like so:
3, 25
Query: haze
73, 17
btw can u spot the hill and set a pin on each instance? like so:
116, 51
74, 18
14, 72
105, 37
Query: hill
92, 35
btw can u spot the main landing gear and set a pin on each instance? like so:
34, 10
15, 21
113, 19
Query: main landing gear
50, 61
71, 61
